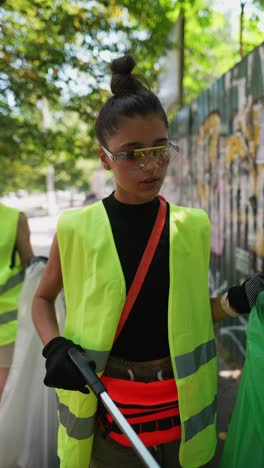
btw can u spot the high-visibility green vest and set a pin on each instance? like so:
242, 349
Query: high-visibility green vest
95, 292
11, 279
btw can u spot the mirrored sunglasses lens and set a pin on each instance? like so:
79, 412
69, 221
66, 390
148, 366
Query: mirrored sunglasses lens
165, 153
139, 158
161, 155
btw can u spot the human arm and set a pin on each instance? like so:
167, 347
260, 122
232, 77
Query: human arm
60, 371
43, 306
23, 244
238, 299
217, 310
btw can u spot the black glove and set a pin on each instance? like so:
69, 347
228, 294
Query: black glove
61, 372
242, 298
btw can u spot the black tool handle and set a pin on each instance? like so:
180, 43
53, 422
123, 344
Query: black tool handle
87, 369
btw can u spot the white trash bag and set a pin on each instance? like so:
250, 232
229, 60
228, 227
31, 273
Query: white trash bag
28, 411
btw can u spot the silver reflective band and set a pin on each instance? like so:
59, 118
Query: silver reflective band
7, 317
189, 363
12, 282
200, 421
78, 428
99, 357
82, 428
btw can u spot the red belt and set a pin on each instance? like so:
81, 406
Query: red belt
151, 409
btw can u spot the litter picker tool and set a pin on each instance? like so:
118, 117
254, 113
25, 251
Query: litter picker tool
85, 367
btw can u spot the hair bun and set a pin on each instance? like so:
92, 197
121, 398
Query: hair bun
123, 81
123, 65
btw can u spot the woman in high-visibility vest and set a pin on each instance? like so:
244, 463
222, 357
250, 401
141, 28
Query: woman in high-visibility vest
161, 369
15, 252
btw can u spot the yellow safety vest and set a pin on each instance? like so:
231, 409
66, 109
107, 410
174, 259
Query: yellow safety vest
11, 279
95, 292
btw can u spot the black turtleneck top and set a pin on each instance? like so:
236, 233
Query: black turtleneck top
145, 334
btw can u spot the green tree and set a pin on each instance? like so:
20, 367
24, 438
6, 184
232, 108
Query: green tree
209, 48
59, 50
259, 3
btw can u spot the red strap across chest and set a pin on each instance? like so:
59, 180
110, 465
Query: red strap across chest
144, 264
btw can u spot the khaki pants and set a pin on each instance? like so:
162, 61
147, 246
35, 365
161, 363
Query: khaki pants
109, 454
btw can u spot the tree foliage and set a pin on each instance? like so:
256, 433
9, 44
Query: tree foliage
57, 52
209, 48
259, 3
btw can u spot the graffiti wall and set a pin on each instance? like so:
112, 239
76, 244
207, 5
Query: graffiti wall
221, 169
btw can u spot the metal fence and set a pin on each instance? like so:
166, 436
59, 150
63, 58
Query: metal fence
221, 169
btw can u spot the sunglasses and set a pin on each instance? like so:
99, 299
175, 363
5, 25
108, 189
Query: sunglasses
138, 158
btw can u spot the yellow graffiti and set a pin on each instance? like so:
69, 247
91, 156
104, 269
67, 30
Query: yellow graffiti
235, 147
258, 247
209, 134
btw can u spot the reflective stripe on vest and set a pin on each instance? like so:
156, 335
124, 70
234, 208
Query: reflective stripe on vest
200, 421
79, 428
9, 316
99, 357
95, 290
188, 364
82, 428
12, 282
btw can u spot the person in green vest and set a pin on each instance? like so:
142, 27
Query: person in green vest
160, 369
15, 253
